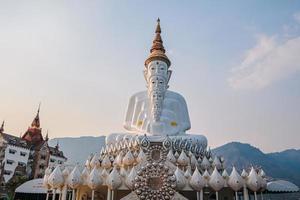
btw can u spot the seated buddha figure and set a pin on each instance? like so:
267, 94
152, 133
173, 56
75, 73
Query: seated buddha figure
157, 111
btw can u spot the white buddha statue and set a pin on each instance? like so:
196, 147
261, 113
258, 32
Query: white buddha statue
157, 111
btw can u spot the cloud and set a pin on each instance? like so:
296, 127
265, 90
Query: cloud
267, 62
297, 17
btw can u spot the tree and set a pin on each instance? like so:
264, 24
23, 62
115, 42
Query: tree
18, 179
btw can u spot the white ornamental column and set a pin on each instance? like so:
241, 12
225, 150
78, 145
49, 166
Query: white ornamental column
64, 190
129, 181
253, 182
45, 181
47, 195
112, 195
74, 181
180, 179
94, 181
113, 182
73, 194
245, 190
56, 180
263, 183
235, 181
197, 182
206, 177
53, 194
108, 194
201, 194
216, 182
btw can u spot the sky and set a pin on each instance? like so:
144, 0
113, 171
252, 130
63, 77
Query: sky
237, 64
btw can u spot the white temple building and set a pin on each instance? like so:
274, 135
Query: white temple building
155, 158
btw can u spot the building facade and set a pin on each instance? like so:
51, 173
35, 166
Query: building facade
28, 154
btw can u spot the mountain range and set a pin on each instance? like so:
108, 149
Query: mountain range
280, 165
77, 150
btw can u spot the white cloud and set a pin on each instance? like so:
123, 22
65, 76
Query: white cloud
267, 62
297, 16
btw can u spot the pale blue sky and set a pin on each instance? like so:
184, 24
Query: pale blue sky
236, 62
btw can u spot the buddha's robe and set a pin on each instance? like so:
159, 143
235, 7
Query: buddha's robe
174, 117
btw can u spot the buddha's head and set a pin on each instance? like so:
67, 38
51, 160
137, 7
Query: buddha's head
157, 76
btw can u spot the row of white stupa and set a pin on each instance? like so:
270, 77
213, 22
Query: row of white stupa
118, 172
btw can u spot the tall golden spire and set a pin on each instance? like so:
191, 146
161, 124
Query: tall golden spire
157, 51
157, 42
36, 121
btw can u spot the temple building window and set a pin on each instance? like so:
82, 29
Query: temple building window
22, 153
9, 162
7, 172
22, 164
12, 151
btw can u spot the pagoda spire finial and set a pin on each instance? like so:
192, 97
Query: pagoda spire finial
36, 121
38, 112
2, 127
157, 42
46, 137
157, 51
158, 29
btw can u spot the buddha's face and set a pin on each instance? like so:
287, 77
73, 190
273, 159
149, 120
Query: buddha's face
157, 76
157, 68
157, 83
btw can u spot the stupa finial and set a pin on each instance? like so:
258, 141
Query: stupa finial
158, 29
157, 42
47, 136
36, 121
38, 112
157, 51
2, 127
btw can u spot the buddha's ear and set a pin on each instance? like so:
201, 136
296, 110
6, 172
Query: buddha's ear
169, 75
